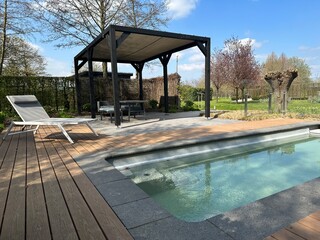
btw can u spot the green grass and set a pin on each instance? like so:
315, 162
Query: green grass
294, 106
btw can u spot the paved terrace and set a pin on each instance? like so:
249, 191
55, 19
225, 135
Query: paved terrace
50, 188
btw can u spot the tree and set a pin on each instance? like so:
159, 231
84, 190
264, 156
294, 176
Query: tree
22, 59
283, 63
77, 22
145, 14
219, 71
16, 19
241, 65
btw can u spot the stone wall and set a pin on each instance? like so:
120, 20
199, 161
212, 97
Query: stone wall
153, 88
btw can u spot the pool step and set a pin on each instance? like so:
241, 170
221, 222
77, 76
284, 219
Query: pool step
315, 132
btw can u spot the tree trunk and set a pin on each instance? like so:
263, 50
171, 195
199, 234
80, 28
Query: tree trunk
237, 94
280, 83
217, 97
4, 35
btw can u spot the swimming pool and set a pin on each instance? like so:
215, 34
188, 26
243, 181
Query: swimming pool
200, 186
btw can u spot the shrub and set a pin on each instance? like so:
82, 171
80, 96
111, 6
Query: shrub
153, 103
188, 106
3, 118
189, 103
86, 107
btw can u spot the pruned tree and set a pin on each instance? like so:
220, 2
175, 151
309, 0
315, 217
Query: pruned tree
22, 59
243, 69
16, 19
219, 71
282, 63
280, 83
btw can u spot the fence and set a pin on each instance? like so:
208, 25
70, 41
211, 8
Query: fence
54, 93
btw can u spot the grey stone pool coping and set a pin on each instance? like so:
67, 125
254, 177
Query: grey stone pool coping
145, 219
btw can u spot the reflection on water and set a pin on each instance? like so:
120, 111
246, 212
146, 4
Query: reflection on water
202, 189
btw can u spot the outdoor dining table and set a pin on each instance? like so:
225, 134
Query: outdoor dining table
131, 103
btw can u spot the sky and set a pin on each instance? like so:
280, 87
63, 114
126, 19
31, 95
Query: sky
281, 26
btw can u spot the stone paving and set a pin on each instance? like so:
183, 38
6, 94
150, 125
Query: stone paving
145, 219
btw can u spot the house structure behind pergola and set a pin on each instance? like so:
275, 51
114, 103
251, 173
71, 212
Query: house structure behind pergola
135, 46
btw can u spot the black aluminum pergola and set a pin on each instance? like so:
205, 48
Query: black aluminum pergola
135, 46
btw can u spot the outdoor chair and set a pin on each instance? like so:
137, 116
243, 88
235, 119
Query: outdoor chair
33, 114
105, 107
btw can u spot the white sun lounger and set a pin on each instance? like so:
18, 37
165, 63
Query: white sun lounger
33, 114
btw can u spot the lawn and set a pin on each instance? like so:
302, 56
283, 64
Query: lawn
297, 107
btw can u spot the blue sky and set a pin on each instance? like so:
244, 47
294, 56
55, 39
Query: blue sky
281, 26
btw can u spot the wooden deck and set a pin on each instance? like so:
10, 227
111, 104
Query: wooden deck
44, 193
306, 228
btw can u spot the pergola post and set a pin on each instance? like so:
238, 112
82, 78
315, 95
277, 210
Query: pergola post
139, 67
115, 77
165, 60
91, 84
207, 79
205, 49
78, 86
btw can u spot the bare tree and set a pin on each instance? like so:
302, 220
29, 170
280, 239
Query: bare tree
219, 71
243, 69
78, 22
16, 19
145, 14
22, 59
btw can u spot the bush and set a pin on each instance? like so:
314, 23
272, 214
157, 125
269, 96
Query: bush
153, 103
188, 106
86, 107
3, 118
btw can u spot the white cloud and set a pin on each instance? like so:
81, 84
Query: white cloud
36, 47
306, 48
197, 57
191, 66
58, 68
181, 8
254, 43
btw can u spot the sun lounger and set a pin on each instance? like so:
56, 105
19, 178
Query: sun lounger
33, 114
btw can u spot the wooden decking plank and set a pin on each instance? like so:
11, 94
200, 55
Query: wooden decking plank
60, 220
5, 174
303, 231
37, 217
3, 149
86, 225
284, 234
315, 215
311, 223
269, 238
109, 222
14, 216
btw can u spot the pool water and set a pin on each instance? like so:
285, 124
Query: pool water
201, 189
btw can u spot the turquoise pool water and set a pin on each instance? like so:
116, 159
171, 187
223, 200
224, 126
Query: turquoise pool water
197, 190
